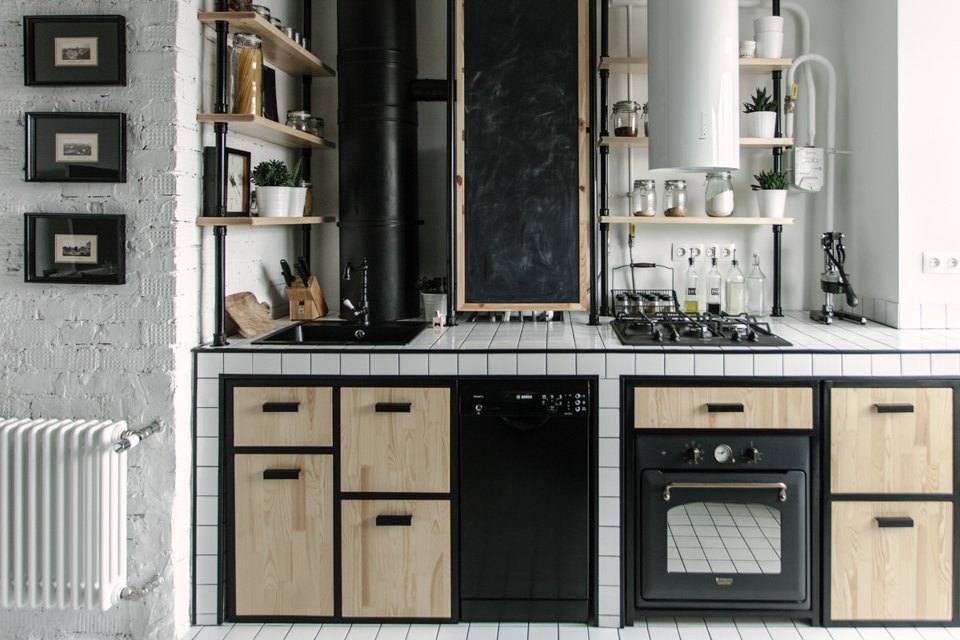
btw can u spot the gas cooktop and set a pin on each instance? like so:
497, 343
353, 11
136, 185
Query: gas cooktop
704, 329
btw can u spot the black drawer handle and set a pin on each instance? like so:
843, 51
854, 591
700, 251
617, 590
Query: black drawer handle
720, 407
281, 474
281, 407
904, 522
393, 407
394, 521
906, 407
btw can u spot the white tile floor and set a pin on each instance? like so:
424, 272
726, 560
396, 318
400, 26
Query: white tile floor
711, 537
653, 629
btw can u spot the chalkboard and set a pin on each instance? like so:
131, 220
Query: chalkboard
521, 170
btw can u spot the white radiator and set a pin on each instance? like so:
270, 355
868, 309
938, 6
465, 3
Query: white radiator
63, 513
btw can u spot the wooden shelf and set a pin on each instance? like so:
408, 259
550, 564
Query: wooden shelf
267, 130
694, 220
278, 49
747, 65
243, 221
745, 143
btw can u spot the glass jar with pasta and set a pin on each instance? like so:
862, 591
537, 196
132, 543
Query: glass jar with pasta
247, 74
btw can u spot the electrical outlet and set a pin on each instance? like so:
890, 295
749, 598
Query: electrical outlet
726, 252
933, 262
951, 263
712, 251
697, 252
679, 251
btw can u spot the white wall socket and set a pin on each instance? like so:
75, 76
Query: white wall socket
683, 251
721, 251
946, 262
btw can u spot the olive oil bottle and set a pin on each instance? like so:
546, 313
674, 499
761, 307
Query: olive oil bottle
691, 294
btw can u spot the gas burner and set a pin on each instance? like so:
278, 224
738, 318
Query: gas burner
704, 329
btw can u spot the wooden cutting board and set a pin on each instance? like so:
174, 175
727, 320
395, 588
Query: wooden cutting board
252, 317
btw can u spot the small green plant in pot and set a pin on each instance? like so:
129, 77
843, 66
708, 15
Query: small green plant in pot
761, 114
278, 189
771, 188
434, 294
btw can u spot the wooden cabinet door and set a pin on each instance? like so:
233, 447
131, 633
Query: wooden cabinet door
283, 532
396, 558
891, 440
282, 417
893, 572
723, 407
395, 439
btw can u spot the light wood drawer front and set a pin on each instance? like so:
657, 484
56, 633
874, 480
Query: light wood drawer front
891, 573
284, 534
872, 451
723, 407
282, 417
395, 439
396, 570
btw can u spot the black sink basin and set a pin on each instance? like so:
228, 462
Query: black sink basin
339, 332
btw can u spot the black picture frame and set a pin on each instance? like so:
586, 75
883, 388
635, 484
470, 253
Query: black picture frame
76, 147
236, 182
75, 50
75, 248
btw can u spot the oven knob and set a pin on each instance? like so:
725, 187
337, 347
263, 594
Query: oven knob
723, 453
752, 454
693, 454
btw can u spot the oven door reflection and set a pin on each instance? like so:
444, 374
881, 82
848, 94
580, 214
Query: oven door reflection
723, 537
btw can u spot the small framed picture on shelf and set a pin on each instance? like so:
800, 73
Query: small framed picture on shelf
236, 182
76, 147
75, 50
87, 248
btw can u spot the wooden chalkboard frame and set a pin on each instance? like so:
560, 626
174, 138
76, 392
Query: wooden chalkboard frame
463, 207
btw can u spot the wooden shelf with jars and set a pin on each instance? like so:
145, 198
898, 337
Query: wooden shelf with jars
730, 220
745, 143
282, 52
747, 65
247, 221
267, 130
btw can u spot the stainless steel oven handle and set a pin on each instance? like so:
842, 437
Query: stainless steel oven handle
725, 485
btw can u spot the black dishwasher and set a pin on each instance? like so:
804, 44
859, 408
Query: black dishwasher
525, 499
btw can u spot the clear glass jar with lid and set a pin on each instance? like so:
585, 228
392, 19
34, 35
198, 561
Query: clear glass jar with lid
316, 126
247, 62
643, 198
675, 198
718, 194
644, 116
299, 120
626, 118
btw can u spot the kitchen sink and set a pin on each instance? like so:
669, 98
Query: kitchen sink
342, 332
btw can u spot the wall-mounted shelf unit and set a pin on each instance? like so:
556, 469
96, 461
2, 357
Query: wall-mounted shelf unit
211, 221
745, 143
732, 220
283, 53
747, 65
266, 130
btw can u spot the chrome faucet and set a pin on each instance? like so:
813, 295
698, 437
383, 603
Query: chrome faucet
362, 314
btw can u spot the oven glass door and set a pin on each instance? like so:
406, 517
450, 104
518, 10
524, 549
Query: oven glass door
722, 536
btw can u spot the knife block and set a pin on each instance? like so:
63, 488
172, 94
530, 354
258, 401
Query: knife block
306, 302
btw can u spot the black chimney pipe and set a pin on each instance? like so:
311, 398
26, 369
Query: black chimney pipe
377, 68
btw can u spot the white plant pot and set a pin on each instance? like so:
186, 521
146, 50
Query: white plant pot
761, 124
768, 23
298, 198
771, 202
433, 302
273, 202
769, 44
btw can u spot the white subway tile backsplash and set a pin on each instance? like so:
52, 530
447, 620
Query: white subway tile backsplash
207, 511
206, 571
209, 365
620, 364
325, 364
266, 364
591, 364
295, 364
608, 454
472, 364
609, 512
384, 364
610, 394
608, 571
893, 314
609, 423
609, 621
933, 316
738, 364
909, 316
945, 364
953, 316
561, 364
208, 481
797, 364
208, 422
502, 364
678, 364
531, 364
207, 541
238, 363
414, 364
608, 541
856, 364
206, 602
915, 364
649, 364
443, 364
609, 482
608, 603
208, 393
355, 364
883, 364
708, 364
205, 619
768, 364
827, 364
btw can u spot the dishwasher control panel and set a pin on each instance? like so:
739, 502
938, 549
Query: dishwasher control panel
518, 402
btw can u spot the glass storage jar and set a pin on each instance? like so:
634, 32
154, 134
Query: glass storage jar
646, 122
247, 74
675, 198
262, 11
299, 120
643, 198
718, 194
626, 118
316, 126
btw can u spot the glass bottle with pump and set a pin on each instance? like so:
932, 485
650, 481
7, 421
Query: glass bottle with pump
756, 290
691, 298
714, 282
736, 289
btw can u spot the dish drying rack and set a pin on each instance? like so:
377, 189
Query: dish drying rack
636, 302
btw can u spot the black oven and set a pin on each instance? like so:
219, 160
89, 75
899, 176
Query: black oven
722, 521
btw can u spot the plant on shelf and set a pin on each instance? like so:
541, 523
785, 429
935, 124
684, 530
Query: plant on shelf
771, 188
278, 189
434, 294
761, 114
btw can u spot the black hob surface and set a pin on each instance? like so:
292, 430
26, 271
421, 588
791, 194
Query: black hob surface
705, 329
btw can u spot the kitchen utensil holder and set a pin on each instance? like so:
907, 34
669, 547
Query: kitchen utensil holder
633, 302
306, 302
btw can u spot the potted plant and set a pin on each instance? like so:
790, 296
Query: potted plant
771, 188
761, 114
434, 294
278, 189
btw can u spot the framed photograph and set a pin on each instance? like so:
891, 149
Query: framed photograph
75, 50
85, 248
236, 182
76, 147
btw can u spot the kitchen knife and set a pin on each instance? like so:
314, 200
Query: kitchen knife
287, 274
303, 270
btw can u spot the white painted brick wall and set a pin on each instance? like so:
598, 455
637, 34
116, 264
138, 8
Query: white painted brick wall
114, 351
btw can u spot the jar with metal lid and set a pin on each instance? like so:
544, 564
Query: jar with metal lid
626, 118
644, 116
316, 126
240, 5
262, 11
277, 23
308, 202
299, 120
643, 198
247, 62
675, 198
719, 194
